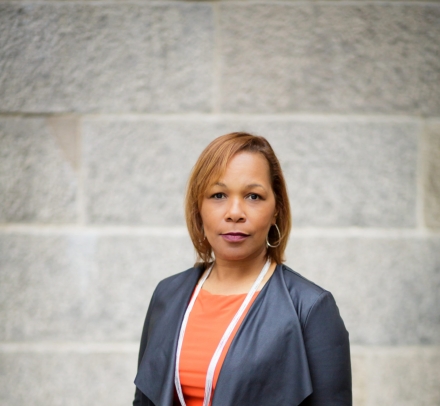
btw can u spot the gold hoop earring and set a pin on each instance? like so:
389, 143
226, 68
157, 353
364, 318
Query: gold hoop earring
279, 239
201, 242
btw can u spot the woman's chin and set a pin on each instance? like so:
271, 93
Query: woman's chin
239, 255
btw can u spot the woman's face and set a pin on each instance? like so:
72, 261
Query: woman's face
239, 209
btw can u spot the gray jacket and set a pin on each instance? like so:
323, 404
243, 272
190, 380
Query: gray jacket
291, 349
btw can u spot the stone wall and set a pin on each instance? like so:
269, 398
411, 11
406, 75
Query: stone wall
104, 108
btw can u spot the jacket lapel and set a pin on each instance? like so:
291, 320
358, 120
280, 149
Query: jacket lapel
266, 363
155, 376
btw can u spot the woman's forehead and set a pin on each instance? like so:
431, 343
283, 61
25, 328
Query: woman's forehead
246, 165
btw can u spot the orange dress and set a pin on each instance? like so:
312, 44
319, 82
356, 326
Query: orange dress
207, 323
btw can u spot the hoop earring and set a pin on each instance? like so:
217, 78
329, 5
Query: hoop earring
201, 242
279, 239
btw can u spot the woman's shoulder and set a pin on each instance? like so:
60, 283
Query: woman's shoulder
299, 283
304, 293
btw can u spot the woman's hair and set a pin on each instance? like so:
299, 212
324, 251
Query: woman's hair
210, 166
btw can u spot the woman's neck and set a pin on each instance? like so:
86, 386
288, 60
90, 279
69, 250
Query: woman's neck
236, 277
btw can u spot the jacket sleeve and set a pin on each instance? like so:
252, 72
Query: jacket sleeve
144, 339
328, 354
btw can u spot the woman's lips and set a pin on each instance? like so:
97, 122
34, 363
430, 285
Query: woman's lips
234, 237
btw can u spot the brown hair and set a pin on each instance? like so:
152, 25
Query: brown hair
210, 166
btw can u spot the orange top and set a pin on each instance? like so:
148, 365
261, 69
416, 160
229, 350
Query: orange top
207, 322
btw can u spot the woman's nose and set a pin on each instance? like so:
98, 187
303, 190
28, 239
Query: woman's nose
235, 211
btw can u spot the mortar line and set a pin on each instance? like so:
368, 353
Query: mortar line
306, 116
133, 347
181, 231
45, 229
217, 61
73, 347
366, 349
81, 206
258, 117
420, 176
333, 2
237, 2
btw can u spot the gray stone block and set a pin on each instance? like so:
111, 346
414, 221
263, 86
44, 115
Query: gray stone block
136, 170
407, 377
359, 377
330, 57
339, 172
348, 172
67, 379
38, 183
431, 179
83, 286
400, 376
387, 287
83, 57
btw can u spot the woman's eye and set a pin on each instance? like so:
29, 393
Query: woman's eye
218, 196
254, 196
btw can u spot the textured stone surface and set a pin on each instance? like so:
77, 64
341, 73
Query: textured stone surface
330, 57
431, 160
67, 379
359, 377
72, 300
339, 172
58, 57
136, 170
387, 288
66, 130
37, 182
82, 286
404, 378
348, 173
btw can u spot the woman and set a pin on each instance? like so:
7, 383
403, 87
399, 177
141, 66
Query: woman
241, 328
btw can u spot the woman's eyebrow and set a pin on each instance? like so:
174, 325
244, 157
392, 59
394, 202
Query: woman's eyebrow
252, 185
